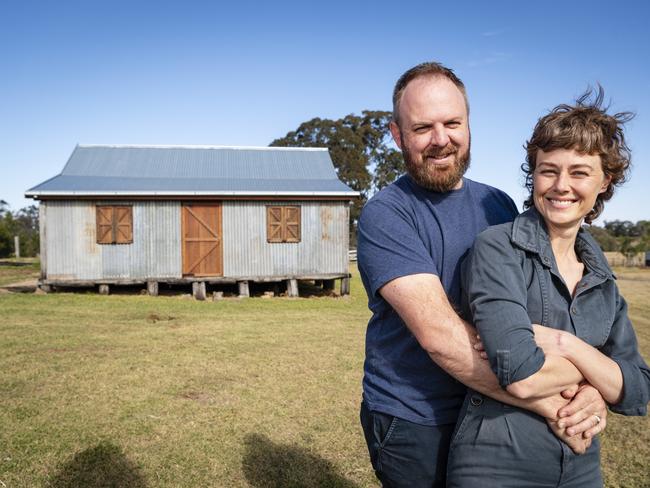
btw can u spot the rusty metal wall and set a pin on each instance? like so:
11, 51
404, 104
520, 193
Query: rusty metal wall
71, 245
323, 247
73, 253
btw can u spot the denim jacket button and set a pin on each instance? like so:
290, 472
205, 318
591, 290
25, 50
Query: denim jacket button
476, 400
574, 310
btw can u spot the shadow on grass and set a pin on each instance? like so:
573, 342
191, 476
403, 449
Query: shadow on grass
271, 465
102, 466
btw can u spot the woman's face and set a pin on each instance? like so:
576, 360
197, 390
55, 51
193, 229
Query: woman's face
565, 186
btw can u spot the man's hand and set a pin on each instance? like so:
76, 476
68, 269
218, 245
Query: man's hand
586, 413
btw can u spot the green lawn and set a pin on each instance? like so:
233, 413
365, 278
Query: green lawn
135, 391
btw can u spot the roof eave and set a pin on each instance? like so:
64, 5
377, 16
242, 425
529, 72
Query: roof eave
41, 194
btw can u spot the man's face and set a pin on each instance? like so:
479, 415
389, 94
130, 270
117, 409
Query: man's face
433, 133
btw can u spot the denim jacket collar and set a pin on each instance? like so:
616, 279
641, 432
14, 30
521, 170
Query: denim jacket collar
530, 234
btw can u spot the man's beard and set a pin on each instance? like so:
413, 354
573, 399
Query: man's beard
438, 178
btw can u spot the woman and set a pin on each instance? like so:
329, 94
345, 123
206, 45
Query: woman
543, 268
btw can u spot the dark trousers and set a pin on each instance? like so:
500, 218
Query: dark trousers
404, 454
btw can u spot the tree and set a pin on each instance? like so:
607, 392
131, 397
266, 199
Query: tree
643, 229
346, 148
605, 240
26, 227
23, 224
6, 231
358, 144
621, 228
384, 161
630, 248
389, 169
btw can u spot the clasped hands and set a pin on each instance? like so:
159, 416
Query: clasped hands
579, 413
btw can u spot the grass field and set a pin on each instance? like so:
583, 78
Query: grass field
134, 391
12, 270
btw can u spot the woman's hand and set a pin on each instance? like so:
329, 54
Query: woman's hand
578, 443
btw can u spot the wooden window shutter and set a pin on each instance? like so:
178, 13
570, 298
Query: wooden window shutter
123, 225
274, 224
283, 223
292, 224
104, 225
114, 224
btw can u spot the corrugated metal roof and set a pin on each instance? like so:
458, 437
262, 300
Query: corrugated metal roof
194, 170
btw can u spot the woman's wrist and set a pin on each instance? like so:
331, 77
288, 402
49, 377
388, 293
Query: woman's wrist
568, 345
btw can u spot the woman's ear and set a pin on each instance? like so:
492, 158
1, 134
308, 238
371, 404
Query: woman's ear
606, 181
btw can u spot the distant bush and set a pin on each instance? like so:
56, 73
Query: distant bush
622, 236
24, 224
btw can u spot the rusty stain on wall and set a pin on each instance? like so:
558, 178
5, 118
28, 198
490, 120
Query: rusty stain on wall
90, 238
326, 222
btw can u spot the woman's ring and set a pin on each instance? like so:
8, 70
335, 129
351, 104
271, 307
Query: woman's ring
598, 419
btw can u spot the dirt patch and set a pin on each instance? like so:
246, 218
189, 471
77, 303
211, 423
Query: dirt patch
154, 317
197, 396
15, 264
24, 286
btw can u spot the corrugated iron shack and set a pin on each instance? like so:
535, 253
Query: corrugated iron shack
124, 215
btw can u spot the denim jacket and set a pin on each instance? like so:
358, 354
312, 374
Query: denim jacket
511, 281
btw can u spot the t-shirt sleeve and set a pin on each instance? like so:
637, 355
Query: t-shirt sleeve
502, 207
510, 205
389, 245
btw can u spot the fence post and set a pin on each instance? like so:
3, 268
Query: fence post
17, 246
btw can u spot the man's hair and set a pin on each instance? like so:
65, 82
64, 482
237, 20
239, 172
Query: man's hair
587, 128
430, 68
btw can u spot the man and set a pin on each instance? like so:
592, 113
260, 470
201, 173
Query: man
412, 238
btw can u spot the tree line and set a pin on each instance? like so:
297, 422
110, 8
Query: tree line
623, 236
22, 223
364, 158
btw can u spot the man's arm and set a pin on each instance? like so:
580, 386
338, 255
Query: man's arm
422, 303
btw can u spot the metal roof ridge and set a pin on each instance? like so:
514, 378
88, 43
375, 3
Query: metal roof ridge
190, 146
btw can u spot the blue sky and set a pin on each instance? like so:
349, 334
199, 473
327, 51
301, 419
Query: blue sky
244, 73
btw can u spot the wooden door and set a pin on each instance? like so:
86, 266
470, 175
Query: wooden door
202, 240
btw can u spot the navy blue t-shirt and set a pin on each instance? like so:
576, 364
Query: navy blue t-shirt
403, 230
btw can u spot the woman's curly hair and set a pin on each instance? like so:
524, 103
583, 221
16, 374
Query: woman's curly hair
587, 128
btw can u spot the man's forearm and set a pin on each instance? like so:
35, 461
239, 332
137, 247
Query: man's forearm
422, 304
459, 358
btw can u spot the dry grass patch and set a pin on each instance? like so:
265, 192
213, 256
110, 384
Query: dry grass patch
130, 390
13, 270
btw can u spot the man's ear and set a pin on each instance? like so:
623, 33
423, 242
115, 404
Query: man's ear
395, 132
